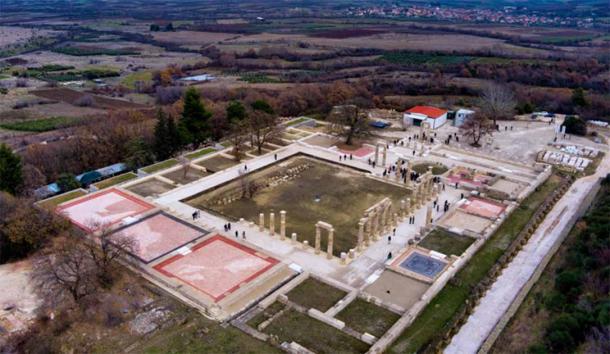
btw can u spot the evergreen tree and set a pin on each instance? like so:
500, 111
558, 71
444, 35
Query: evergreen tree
194, 124
578, 97
173, 136
262, 105
235, 112
11, 177
161, 145
67, 182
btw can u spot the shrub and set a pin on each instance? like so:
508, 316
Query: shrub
575, 125
85, 101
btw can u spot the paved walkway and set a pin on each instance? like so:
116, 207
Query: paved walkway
506, 288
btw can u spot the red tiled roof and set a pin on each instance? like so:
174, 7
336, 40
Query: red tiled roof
430, 112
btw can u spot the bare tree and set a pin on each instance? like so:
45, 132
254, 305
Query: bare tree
263, 127
238, 138
497, 102
349, 121
476, 126
185, 165
108, 248
247, 187
64, 271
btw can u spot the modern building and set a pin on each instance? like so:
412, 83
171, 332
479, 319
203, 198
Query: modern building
417, 115
461, 115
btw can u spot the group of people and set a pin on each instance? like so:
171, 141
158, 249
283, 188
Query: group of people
350, 156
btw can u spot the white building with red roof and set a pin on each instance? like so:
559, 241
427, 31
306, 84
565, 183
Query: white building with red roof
417, 115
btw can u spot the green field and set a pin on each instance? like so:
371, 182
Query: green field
202, 152
160, 166
315, 294
314, 335
432, 322
53, 202
115, 180
41, 125
366, 317
446, 242
407, 58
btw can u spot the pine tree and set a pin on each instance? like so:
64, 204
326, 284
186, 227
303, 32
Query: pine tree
161, 145
173, 135
11, 176
194, 123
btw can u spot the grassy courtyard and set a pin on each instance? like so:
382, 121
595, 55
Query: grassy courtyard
322, 192
315, 294
364, 316
446, 242
314, 335
150, 187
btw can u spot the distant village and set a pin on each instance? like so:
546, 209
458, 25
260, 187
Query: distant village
508, 15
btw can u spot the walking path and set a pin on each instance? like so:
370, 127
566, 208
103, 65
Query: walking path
507, 287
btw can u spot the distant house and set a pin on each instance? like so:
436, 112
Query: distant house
415, 116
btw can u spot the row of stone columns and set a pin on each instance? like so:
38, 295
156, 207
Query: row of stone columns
261, 223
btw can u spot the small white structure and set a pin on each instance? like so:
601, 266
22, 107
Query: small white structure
417, 115
198, 78
461, 115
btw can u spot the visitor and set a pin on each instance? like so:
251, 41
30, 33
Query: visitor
351, 157
390, 255
389, 239
243, 234
236, 234
225, 227
462, 196
339, 157
457, 139
245, 167
443, 187
437, 208
194, 215
394, 232
413, 152
275, 157
229, 226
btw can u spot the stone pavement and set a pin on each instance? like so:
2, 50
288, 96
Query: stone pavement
505, 290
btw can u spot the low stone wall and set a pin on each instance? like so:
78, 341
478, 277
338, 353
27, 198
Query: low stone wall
331, 321
266, 302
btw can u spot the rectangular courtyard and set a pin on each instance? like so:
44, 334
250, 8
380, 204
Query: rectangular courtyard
309, 190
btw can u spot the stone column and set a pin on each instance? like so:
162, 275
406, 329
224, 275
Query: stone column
408, 173
261, 222
317, 244
376, 154
361, 233
403, 209
293, 238
272, 224
367, 231
283, 224
385, 155
329, 247
408, 208
428, 216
